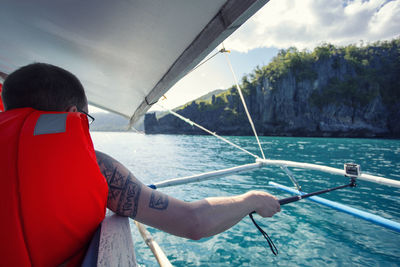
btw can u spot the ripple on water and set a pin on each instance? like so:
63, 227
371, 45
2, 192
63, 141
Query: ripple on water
306, 233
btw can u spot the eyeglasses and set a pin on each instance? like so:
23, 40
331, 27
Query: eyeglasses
90, 118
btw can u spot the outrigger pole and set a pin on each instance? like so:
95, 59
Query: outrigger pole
353, 171
263, 162
392, 225
326, 169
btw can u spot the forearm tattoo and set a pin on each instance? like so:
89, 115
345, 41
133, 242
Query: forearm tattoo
158, 201
123, 191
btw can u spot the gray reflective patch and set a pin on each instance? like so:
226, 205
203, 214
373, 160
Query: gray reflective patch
50, 124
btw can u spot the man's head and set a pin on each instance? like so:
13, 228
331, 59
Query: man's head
43, 87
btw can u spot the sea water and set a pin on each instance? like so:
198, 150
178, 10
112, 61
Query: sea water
306, 233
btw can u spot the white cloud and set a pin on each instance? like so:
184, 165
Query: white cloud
308, 23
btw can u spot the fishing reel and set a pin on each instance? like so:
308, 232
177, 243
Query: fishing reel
352, 171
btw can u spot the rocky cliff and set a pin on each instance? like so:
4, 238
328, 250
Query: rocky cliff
332, 91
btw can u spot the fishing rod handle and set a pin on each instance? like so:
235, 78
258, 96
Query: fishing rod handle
299, 197
288, 200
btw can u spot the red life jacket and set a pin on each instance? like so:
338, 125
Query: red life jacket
53, 195
1, 102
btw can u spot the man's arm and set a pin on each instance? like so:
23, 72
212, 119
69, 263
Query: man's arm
127, 196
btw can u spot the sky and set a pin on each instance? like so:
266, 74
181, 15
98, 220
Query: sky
280, 24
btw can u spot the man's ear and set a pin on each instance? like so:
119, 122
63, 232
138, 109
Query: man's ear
72, 109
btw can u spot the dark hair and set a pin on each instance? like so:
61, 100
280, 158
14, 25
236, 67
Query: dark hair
43, 87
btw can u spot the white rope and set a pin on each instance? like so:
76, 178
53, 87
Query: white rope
245, 106
223, 50
208, 131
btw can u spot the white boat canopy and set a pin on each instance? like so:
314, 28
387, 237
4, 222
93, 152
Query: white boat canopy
127, 53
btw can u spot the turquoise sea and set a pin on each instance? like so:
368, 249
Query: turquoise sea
306, 233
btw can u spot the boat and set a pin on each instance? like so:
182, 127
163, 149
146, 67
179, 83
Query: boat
128, 54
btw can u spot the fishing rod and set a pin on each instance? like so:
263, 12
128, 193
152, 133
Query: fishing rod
288, 200
351, 170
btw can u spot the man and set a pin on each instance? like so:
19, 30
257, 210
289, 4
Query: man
55, 192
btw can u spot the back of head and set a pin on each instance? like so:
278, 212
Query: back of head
43, 87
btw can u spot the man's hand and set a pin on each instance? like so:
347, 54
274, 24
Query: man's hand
266, 205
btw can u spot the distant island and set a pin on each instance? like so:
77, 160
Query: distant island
351, 91
111, 122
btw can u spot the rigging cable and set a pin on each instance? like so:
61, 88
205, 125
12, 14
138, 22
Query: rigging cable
223, 50
244, 104
208, 131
